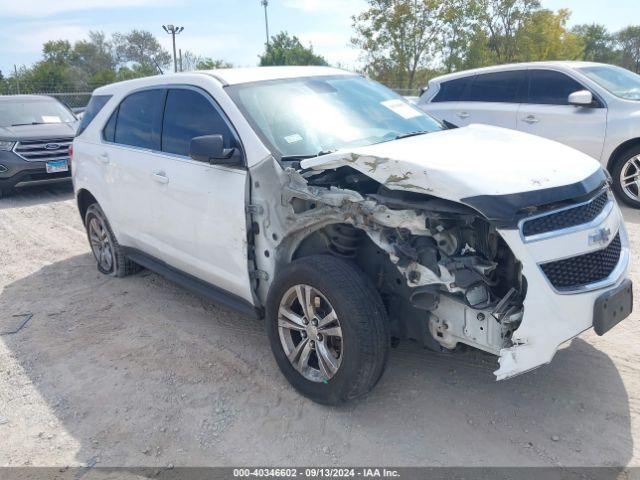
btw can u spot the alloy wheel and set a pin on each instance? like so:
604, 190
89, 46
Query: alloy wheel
630, 178
100, 243
310, 333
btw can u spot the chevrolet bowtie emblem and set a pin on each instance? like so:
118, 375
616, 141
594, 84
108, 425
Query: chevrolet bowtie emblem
600, 237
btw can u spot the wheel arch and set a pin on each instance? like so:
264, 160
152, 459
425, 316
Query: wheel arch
84, 199
634, 142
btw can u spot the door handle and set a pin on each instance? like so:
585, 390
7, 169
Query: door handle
463, 114
531, 119
160, 177
104, 158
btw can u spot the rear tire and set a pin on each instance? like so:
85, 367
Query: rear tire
349, 359
626, 176
108, 253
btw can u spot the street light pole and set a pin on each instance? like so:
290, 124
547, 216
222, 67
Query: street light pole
265, 4
173, 31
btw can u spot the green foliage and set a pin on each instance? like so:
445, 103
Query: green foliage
398, 37
405, 42
502, 21
599, 44
629, 41
285, 49
544, 36
208, 63
140, 47
88, 64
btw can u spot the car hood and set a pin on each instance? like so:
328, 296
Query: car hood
474, 162
38, 132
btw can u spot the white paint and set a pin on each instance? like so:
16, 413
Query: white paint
464, 162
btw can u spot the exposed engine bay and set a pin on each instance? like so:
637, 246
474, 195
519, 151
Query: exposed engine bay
444, 273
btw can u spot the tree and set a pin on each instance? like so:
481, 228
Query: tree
141, 47
501, 20
457, 32
599, 44
94, 56
57, 51
629, 40
399, 37
285, 49
208, 63
543, 36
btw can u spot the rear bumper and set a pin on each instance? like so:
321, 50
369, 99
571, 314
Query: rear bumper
17, 172
552, 317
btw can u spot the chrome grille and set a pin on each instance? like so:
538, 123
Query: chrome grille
44, 150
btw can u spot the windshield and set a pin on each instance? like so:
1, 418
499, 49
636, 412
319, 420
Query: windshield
619, 81
314, 115
33, 112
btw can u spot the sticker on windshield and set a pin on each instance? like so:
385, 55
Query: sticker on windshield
50, 119
296, 137
401, 108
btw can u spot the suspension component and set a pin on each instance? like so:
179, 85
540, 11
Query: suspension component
344, 240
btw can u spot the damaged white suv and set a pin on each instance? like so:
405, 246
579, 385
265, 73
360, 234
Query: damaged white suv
347, 218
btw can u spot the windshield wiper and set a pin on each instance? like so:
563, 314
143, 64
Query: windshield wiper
304, 157
31, 123
410, 134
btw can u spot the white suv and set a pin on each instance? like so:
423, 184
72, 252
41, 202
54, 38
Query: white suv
347, 218
592, 107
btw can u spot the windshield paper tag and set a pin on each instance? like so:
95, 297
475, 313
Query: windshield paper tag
293, 138
50, 119
401, 108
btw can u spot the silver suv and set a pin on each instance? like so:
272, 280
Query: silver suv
592, 107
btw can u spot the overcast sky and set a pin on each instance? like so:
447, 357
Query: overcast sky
232, 30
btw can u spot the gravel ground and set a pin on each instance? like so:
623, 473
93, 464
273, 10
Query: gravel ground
139, 372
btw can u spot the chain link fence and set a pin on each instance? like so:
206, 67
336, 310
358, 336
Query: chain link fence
81, 99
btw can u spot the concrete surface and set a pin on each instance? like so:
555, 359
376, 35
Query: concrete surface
139, 372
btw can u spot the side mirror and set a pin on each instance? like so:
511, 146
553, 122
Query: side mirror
582, 98
210, 148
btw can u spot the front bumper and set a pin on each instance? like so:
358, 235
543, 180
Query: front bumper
551, 317
17, 172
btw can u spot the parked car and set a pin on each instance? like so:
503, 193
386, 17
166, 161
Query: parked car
35, 134
346, 217
592, 107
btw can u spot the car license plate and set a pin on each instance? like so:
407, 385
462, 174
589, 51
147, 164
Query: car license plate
57, 166
612, 307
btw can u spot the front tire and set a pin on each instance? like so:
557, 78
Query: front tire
108, 253
626, 176
328, 329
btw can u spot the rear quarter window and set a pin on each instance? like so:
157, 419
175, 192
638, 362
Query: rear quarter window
96, 103
452, 90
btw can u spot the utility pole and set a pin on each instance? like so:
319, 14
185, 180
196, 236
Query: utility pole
15, 70
173, 31
180, 55
265, 4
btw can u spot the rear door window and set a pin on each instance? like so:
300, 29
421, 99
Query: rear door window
93, 108
109, 131
548, 87
453, 90
139, 118
499, 87
188, 114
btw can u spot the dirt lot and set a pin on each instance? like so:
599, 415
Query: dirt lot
140, 372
